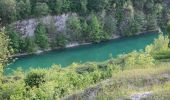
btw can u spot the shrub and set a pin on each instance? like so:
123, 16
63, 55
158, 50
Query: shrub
35, 78
85, 69
160, 44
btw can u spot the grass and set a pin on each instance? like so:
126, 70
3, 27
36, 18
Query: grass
124, 84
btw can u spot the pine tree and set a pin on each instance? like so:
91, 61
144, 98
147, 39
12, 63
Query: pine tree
95, 30
30, 45
41, 36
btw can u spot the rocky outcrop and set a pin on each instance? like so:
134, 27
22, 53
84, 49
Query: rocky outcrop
27, 27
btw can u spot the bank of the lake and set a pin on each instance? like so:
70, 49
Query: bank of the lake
83, 53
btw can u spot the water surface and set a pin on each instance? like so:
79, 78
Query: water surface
93, 52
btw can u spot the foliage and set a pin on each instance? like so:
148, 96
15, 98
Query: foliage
30, 45
135, 60
159, 49
85, 69
58, 6
8, 10
41, 36
97, 5
168, 29
57, 82
110, 25
23, 9
41, 9
35, 78
16, 40
85, 33
95, 33
5, 49
74, 28
151, 22
160, 44
60, 41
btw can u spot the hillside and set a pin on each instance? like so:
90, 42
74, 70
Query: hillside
130, 76
57, 23
30, 26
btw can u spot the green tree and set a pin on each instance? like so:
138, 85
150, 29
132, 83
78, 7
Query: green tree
15, 40
85, 32
97, 5
8, 10
74, 27
23, 9
41, 36
151, 22
66, 5
83, 6
61, 41
5, 50
168, 30
95, 30
58, 6
110, 25
41, 9
30, 45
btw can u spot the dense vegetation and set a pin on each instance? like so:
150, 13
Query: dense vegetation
95, 20
55, 82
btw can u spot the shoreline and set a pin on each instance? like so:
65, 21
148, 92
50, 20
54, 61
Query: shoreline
76, 44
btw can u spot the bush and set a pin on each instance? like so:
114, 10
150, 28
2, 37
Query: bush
160, 44
85, 69
35, 78
136, 60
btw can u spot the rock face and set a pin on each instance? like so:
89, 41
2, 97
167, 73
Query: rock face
27, 27
140, 96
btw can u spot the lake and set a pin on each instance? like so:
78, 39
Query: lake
92, 52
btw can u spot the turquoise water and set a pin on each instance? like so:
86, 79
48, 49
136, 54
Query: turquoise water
93, 52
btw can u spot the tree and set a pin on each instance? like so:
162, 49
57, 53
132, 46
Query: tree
30, 45
66, 5
23, 9
15, 40
97, 5
41, 36
5, 49
41, 9
83, 6
110, 25
58, 6
95, 30
151, 22
74, 27
168, 30
60, 41
79, 6
85, 32
8, 10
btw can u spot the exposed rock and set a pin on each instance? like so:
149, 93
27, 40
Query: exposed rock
88, 94
139, 96
27, 27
